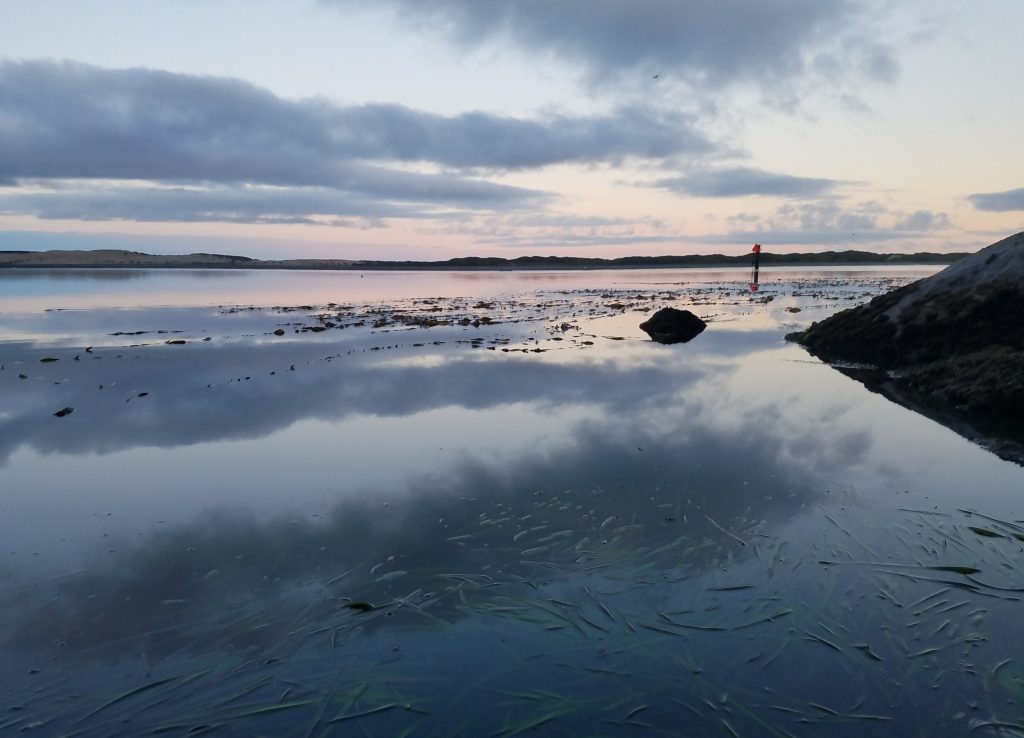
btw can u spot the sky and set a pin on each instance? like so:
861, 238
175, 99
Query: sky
428, 129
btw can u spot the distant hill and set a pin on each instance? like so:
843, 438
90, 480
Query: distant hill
112, 258
120, 259
116, 258
693, 260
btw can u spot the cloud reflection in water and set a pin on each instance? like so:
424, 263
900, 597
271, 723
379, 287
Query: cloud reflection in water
601, 501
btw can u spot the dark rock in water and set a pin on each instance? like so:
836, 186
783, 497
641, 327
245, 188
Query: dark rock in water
670, 325
279, 332
63, 412
47, 359
950, 346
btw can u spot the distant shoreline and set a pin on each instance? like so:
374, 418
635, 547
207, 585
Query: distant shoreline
110, 259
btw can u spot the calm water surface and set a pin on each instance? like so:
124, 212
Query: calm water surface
484, 504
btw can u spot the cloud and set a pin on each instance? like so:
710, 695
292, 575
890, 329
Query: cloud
864, 216
822, 237
744, 182
389, 194
878, 63
237, 153
831, 222
922, 220
570, 239
830, 215
181, 205
999, 202
69, 120
705, 44
481, 140
525, 229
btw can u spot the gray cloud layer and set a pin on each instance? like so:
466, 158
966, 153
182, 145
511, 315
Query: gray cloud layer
742, 182
220, 204
830, 221
381, 194
999, 202
706, 43
67, 120
239, 153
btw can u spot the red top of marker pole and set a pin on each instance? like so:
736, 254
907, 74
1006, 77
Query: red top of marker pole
757, 248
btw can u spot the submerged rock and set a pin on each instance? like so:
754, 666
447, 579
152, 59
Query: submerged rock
670, 325
950, 345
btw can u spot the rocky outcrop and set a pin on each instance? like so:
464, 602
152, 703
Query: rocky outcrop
951, 345
670, 325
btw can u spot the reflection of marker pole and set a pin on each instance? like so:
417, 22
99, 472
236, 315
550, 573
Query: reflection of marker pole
757, 267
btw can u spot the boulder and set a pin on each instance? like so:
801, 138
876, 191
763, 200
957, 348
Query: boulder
950, 346
670, 325
972, 305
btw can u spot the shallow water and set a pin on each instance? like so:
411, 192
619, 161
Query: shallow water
544, 523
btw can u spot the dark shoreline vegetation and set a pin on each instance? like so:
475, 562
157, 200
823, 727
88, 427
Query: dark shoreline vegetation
119, 259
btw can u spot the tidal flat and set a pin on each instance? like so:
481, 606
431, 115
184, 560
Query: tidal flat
485, 504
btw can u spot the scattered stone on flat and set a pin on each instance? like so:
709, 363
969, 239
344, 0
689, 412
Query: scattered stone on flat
670, 325
279, 332
64, 411
47, 359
